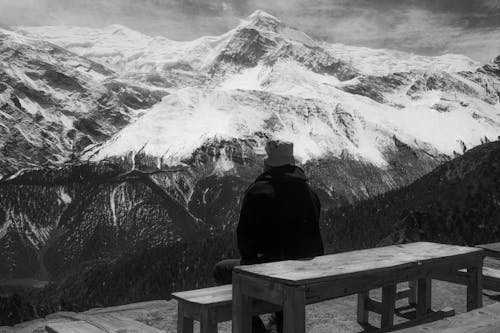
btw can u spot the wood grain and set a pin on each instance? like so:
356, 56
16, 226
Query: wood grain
184, 324
208, 322
113, 323
210, 296
362, 311
424, 296
242, 308
492, 250
294, 310
142, 306
73, 327
388, 304
475, 287
491, 278
350, 264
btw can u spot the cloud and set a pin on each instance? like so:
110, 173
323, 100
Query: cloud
428, 27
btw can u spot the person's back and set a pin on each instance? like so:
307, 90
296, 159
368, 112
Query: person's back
279, 219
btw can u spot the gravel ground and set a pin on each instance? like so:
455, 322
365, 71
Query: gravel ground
339, 315
335, 316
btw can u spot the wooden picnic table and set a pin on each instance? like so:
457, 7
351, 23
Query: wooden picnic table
492, 250
294, 283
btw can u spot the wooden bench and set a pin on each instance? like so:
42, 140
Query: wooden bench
209, 307
98, 323
483, 320
491, 269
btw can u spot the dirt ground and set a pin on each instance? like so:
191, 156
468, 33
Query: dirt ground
335, 316
339, 315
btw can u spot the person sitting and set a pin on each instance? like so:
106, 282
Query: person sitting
279, 219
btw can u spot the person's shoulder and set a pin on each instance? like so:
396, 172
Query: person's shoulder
260, 187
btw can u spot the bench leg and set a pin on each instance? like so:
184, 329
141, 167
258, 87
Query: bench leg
388, 305
207, 322
424, 296
294, 310
362, 311
475, 287
184, 324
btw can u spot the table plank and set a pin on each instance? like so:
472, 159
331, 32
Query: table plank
492, 249
349, 264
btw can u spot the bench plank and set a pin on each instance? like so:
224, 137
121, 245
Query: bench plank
110, 322
213, 296
483, 320
351, 264
73, 327
142, 306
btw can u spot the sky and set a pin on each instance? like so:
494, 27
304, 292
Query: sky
428, 27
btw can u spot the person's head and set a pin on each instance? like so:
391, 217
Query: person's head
279, 153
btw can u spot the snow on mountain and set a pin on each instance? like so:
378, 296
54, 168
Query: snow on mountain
382, 61
330, 99
130, 52
53, 103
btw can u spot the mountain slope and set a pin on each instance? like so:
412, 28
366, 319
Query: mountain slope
458, 202
53, 103
436, 104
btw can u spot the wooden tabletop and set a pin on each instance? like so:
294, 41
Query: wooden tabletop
492, 249
349, 264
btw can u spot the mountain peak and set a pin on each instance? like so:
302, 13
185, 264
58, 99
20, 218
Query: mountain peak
259, 13
123, 31
263, 20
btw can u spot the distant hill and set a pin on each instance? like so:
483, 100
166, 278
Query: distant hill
458, 202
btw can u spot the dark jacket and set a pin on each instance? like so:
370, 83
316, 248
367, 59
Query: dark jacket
279, 219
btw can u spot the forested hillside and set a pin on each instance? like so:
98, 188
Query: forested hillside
459, 202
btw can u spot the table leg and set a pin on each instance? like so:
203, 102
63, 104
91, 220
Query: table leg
424, 296
475, 287
294, 310
242, 308
412, 299
388, 304
362, 311
184, 324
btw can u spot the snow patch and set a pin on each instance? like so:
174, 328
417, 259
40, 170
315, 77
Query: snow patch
183, 122
64, 196
384, 61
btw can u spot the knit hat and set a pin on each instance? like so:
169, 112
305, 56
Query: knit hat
279, 153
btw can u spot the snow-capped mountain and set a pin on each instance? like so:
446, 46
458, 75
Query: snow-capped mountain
266, 77
55, 103
171, 133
